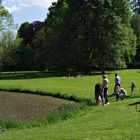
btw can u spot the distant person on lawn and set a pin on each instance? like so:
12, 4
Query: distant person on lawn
118, 82
105, 85
120, 93
133, 86
99, 96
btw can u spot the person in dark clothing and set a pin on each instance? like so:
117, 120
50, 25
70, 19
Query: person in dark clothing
99, 96
133, 86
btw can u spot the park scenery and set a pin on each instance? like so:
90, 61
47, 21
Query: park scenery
49, 72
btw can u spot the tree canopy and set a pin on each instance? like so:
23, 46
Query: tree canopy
81, 35
6, 20
89, 34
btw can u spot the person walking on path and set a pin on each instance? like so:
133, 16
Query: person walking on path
105, 86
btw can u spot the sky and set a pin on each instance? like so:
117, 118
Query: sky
27, 10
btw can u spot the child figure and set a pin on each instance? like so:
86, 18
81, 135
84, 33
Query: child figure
133, 86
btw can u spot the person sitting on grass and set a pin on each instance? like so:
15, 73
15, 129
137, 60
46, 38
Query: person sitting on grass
120, 93
99, 95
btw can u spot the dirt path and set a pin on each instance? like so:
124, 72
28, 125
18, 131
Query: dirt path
24, 107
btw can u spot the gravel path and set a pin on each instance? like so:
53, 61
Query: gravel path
24, 107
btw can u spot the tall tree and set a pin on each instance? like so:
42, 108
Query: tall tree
112, 35
33, 40
38, 44
7, 37
82, 33
55, 36
135, 24
28, 30
6, 20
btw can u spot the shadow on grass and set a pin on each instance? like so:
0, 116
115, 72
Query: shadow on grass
29, 75
136, 106
135, 103
44, 74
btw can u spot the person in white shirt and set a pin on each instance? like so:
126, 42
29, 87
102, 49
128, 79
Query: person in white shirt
118, 82
105, 86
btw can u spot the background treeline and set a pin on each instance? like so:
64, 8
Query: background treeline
81, 35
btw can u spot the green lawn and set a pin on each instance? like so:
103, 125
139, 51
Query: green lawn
117, 121
82, 87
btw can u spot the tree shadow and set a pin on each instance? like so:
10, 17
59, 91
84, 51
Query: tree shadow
28, 75
43, 74
136, 105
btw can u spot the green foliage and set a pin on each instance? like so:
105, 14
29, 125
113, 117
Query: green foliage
6, 20
33, 43
7, 37
76, 35
135, 24
13, 55
136, 6
27, 31
56, 52
8, 124
81, 33
7, 45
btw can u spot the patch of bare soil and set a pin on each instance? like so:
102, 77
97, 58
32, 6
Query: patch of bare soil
24, 107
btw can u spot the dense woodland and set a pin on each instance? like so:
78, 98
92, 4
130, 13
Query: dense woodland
80, 35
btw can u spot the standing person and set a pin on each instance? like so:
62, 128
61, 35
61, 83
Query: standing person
105, 86
99, 97
133, 86
118, 82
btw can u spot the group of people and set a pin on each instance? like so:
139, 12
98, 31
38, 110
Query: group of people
101, 90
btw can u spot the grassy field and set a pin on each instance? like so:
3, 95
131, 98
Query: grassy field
117, 121
82, 87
